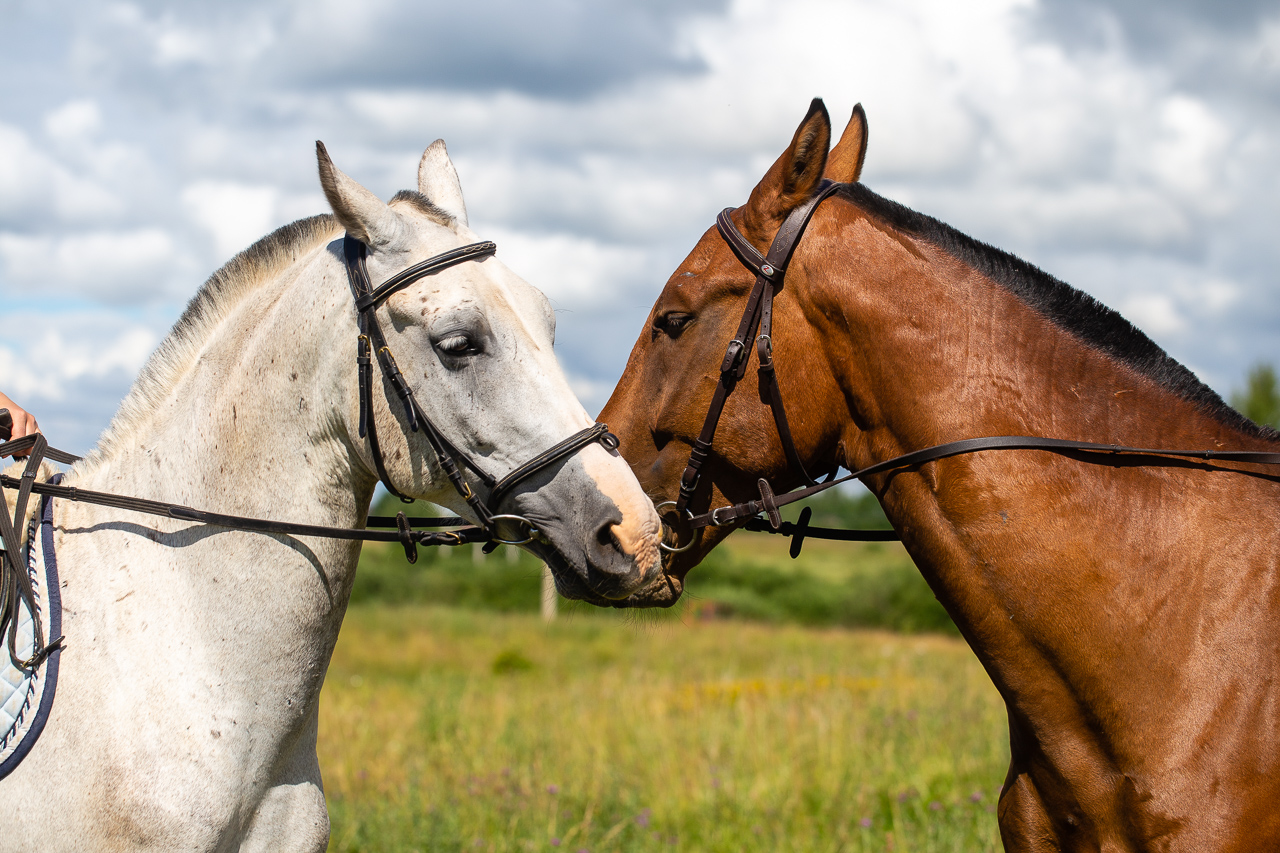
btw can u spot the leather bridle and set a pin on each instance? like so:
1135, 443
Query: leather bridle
492, 528
372, 340
757, 320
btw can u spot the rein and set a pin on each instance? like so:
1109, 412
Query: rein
493, 529
770, 270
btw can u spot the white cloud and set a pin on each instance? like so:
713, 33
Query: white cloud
36, 188
74, 120
570, 269
180, 134
234, 214
103, 265
77, 348
1155, 313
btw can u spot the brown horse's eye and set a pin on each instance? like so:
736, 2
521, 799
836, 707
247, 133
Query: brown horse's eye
672, 323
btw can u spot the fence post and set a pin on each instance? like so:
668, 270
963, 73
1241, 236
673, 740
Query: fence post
549, 596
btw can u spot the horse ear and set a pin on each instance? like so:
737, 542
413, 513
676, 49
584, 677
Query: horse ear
365, 216
844, 166
438, 181
792, 179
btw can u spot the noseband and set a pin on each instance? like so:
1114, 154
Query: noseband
372, 340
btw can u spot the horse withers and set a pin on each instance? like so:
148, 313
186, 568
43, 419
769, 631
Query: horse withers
1126, 608
189, 677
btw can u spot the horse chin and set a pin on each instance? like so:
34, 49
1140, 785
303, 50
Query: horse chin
663, 591
576, 582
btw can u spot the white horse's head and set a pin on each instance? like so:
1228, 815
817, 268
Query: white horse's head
474, 341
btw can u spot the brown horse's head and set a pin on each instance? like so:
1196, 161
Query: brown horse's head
658, 408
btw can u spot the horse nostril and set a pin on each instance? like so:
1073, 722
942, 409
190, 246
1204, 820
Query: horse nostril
605, 535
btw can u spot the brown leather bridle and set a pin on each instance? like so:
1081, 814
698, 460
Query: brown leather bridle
371, 340
757, 320
492, 528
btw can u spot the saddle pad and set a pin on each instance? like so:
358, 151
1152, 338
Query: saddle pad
26, 697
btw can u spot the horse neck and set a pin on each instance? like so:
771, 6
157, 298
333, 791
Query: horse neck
255, 423
927, 350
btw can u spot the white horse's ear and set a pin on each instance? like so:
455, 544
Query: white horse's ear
438, 181
365, 216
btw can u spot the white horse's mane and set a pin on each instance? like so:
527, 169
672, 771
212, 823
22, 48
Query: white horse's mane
211, 305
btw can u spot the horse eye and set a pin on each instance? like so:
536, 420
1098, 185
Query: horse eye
673, 322
456, 345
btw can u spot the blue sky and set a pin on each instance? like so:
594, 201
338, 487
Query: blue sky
1127, 147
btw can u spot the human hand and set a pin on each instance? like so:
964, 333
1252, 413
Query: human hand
23, 422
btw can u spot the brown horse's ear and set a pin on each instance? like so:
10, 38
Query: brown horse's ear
792, 179
844, 166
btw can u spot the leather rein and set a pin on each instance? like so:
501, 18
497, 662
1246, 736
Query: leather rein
757, 320
493, 529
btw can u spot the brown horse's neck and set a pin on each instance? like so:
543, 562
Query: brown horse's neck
927, 350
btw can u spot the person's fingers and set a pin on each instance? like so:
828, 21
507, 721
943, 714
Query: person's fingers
23, 423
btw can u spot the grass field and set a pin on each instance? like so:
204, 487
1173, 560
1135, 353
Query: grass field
456, 729
855, 585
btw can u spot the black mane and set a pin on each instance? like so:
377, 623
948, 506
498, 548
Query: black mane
1076, 312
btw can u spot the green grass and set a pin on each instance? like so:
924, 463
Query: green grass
452, 729
750, 576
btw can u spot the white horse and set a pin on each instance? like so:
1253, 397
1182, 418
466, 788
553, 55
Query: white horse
186, 709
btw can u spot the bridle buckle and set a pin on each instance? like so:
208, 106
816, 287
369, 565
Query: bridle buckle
733, 356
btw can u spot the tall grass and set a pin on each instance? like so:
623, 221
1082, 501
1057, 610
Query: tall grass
451, 729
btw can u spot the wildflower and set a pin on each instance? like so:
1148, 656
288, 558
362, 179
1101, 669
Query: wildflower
935, 806
642, 819
553, 789
975, 797
865, 823
555, 842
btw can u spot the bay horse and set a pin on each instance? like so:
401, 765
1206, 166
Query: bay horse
1126, 609
189, 677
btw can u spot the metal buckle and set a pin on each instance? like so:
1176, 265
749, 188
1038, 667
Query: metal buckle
529, 536
734, 355
672, 549
715, 519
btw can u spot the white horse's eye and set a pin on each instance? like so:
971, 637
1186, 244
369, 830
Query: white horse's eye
455, 345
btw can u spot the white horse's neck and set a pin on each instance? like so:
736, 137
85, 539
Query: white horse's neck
248, 426
213, 624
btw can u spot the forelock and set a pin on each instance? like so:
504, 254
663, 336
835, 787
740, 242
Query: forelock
425, 206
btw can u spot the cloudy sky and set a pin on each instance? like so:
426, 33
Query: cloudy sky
1129, 147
